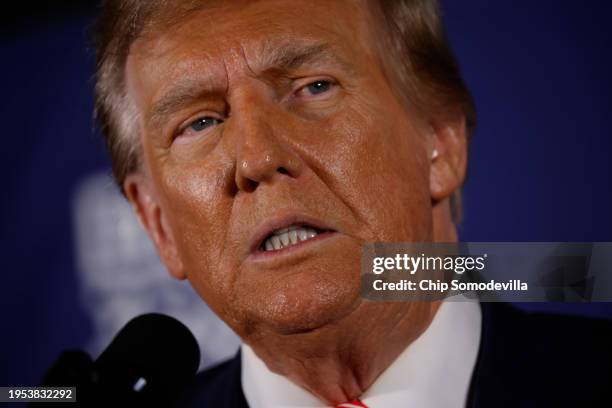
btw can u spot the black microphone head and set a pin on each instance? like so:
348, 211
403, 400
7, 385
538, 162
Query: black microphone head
151, 359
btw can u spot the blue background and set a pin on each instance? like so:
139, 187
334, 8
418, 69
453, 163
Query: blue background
539, 168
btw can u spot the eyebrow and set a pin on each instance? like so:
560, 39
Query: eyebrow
185, 92
290, 57
273, 58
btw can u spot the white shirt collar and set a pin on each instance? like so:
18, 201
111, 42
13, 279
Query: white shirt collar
433, 372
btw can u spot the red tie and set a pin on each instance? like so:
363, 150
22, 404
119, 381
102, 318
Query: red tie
352, 404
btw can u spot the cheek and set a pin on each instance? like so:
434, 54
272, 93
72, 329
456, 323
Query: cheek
375, 161
198, 209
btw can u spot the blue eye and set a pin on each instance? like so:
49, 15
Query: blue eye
318, 87
203, 123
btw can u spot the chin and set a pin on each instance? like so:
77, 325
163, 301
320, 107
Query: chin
304, 301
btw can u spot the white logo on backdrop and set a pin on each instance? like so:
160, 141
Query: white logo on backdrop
121, 276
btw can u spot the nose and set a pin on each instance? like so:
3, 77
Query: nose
263, 153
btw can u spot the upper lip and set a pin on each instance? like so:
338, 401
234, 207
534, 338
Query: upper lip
269, 226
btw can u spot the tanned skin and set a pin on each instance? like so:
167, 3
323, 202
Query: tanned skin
254, 115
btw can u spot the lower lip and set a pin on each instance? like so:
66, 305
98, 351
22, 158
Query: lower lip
300, 246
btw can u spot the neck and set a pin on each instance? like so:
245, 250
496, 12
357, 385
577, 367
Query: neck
337, 363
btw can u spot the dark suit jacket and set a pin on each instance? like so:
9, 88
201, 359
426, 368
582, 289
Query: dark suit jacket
524, 360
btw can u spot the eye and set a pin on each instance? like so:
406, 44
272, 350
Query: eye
316, 88
203, 123
199, 125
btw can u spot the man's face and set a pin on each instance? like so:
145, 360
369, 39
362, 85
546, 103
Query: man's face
262, 115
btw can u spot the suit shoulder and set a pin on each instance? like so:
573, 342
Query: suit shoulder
584, 335
551, 334
549, 359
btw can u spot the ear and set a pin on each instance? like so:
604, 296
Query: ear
145, 202
448, 158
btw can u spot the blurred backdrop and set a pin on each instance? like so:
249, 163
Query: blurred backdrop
76, 265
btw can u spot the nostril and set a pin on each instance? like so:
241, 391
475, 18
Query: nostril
282, 170
250, 185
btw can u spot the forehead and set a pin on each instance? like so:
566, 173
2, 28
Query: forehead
221, 32
228, 20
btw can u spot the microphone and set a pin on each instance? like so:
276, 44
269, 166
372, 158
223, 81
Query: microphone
148, 362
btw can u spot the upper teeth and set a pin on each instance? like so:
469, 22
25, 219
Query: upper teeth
285, 237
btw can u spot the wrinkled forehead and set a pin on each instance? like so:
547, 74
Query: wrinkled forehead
252, 28
218, 39
219, 16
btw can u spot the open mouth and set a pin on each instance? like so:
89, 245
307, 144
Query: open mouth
287, 237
